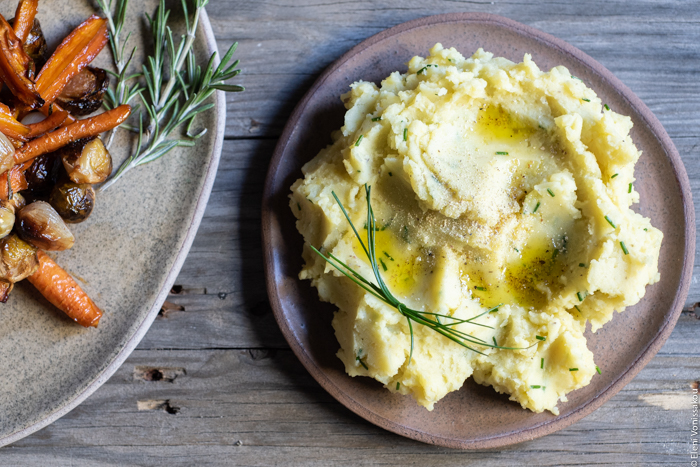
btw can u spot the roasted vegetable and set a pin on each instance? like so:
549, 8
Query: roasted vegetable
35, 46
7, 154
39, 224
15, 204
83, 94
58, 287
7, 220
23, 21
87, 161
15, 67
48, 124
17, 179
43, 173
73, 201
10, 127
76, 51
85, 128
17, 259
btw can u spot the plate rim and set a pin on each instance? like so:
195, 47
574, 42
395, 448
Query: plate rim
543, 428
198, 213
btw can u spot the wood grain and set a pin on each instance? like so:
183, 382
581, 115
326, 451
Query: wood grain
233, 394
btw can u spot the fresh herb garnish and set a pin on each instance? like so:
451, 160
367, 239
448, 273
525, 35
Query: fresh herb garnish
376, 119
581, 265
584, 99
551, 193
494, 341
359, 140
381, 291
364, 365
606, 106
573, 369
501, 153
495, 309
398, 385
577, 308
483, 289
388, 256
383, 265
405, 134
598, 370
624, 248
581, 296
537, 206
614, 176
540, 338
542, 363
299, 206
174, 103
535, 386
610, 222
629, 190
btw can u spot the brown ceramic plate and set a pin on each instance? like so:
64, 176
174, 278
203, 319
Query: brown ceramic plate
126, 255
475, 416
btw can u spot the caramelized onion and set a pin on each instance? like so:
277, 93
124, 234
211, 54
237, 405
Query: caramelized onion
87, 162
39, 224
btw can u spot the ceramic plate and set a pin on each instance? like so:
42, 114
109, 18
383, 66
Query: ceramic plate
126, 255
475, 416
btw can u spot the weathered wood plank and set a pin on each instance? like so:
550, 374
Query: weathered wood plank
259, 407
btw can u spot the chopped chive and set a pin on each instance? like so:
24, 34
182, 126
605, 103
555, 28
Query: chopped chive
610, 222
299, 206
516, 249
357, 143
535, 386
614, 176
581, 265
398, 385
391, 174
421, 70
555, 254
480, 288
501, 153
405, 134
542, 363
361, 362
584, 99
376, 119
624, 248
629, 190
573, 369
607, 107
404, 233
540, 338
581, 296
551, 193
537, 206
388, 256
494, 341
646, 230
598, 370
359, 171
577, 308
495, 309
382, 263
576, 77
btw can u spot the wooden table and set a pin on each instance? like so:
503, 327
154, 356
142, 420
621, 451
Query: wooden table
214, 382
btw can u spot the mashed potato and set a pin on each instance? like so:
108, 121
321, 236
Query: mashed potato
494, 184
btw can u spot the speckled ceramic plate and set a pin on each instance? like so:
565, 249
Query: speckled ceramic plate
126, 255
475, 416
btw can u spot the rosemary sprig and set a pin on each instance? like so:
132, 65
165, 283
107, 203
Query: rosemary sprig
173, 103
446, 326
122, 93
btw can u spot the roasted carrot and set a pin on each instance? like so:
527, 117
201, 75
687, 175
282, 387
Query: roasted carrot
59, 288
76, 51
85, 128
14, 65
17, 178
50, 123
24, 18
9, 125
